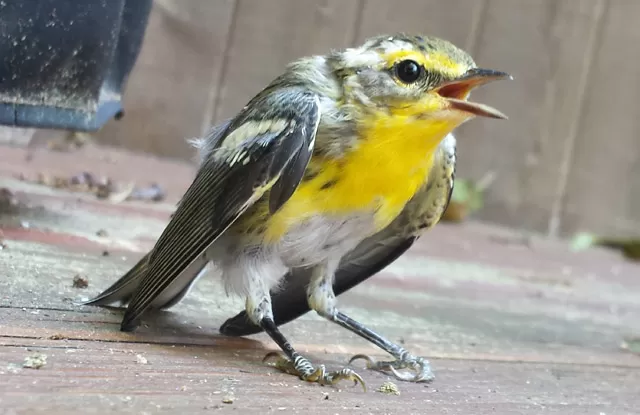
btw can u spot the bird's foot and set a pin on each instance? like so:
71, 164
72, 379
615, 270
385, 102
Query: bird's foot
302, 368
419, 366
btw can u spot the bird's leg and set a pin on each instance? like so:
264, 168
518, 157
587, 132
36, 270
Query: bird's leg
258, 308
322, 299
403, 359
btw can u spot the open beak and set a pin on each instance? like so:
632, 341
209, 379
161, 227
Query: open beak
457, 91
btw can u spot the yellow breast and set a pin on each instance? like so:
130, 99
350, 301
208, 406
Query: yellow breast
380, 175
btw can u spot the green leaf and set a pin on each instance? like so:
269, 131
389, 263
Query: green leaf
583, 240
467, 193
632, 345
630, 247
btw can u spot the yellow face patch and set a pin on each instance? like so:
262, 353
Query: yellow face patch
431, 61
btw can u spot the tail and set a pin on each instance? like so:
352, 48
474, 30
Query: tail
122, 290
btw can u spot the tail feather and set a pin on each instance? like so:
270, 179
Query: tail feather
121, 290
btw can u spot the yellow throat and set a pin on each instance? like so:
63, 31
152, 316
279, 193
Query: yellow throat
390, 163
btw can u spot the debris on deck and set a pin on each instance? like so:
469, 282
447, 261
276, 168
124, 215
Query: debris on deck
508, 327
35, 361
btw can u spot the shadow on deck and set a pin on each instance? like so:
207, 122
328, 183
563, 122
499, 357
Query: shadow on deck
510, 324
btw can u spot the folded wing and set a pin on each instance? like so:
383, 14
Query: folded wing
266, 147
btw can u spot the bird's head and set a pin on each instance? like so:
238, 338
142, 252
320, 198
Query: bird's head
420, 77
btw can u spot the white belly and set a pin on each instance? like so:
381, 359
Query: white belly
318, 239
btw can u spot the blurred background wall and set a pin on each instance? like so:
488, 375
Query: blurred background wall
567, 160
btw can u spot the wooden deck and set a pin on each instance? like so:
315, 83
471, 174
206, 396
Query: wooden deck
511, 325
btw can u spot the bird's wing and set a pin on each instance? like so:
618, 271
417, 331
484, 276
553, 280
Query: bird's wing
371, 255
122, 290
266, 147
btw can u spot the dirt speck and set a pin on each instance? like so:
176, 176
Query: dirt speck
228, 399
9, 204
389, 388
80, 282
101, 187
84, 182
70, 141
152, 193
35, 361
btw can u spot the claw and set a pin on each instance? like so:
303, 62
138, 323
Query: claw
282, 363
370, 361
317, 375
418, 365
406, 376
347, 374
269, 355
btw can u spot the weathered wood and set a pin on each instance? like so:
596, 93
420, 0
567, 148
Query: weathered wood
201, 61
191, 379
509, 325
603, 187
542, 44
268, 35
15, 136
454, 20
173, 85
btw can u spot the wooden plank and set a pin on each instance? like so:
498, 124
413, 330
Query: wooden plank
15, 136
480, 353
508, 328
454, 20
542, 44
603, 189
169, 94
269, 34
137, 378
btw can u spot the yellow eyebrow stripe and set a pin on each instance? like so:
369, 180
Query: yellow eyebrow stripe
431, 61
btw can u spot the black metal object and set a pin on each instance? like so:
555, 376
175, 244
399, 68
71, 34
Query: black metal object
64, 63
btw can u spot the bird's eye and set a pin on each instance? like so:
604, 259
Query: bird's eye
408, 71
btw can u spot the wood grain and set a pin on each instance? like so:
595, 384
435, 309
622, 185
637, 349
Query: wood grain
527, 153
174, 80
510, 327
454, 20
268, 35
603, 188
555, 173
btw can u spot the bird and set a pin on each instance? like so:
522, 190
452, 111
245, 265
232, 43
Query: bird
325, 177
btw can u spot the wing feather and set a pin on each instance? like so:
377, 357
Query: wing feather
252, 155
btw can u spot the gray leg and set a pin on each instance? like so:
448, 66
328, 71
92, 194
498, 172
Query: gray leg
322, 299
258, 306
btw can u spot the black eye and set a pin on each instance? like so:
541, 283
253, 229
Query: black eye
408, 71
